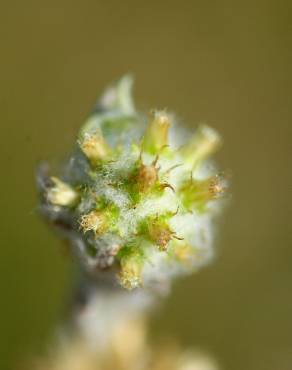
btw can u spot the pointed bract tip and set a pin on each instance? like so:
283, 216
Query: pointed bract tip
118, 96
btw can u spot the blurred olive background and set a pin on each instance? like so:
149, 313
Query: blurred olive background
227, 63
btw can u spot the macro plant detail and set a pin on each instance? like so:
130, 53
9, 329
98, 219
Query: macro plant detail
137, 197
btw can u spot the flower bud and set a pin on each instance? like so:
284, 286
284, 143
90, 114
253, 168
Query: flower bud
161, 234
130, 274
95, 147
95, 221
156, 135
199, 192
204, 143
147, 177
61, 194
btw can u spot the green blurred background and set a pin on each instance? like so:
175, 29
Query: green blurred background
227, 63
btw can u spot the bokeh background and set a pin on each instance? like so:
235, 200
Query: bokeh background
227, 63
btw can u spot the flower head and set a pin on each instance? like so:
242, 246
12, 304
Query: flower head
140, 190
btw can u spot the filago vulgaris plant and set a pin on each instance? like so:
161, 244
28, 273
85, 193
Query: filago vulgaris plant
137, 195
135, 201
